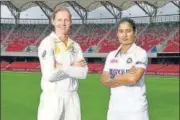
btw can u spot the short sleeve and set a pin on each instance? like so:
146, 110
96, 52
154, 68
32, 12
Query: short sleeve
107, 65
142, 60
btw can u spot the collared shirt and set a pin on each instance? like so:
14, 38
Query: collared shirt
59, 44
66, 54
127, 98
50, 51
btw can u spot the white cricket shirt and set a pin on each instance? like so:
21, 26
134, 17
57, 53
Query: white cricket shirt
127, 98
53, 49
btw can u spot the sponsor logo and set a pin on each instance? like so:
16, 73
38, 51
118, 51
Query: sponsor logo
113, 61
139, 62
114, 72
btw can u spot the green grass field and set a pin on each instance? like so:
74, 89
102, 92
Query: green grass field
20, 97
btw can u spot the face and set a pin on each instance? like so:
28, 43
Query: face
125, 33
62, 22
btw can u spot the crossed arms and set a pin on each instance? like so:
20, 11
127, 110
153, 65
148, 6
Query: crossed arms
130, 78
53, 71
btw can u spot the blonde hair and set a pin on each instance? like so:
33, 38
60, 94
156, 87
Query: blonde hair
61, 9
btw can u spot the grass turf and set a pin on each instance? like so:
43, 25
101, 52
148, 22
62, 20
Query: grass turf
20, 97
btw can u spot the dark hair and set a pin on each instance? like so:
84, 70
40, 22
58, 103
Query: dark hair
130, 21
60, 9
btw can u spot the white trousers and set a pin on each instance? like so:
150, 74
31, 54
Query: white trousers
55, 106
114, 115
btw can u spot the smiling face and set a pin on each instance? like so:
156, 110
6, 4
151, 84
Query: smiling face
126, 33
62, 22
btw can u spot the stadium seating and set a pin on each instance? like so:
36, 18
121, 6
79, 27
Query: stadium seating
4, 65
20, 36
152, 69
23, 66
103, 35
173, 45
158, 33
95, 68
169, 69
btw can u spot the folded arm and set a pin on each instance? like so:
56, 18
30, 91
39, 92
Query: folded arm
130, 78
77, 70
49, 71
52, 71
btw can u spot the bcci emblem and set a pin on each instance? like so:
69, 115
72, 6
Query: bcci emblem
129, 60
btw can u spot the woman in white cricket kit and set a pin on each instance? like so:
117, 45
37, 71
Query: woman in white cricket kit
124, 73
62, 64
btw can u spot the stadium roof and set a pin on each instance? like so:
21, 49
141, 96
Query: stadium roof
82, 7
89, 5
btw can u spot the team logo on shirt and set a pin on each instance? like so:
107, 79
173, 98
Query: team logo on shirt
129, 60
43, 54
113, 61
71, 48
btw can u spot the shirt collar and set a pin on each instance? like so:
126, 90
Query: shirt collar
131, 49
57, 40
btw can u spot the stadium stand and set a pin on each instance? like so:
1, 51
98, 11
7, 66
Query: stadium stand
23, 66
21, 36
160, 36
95, 68
102, 35
4, 65
152, 69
